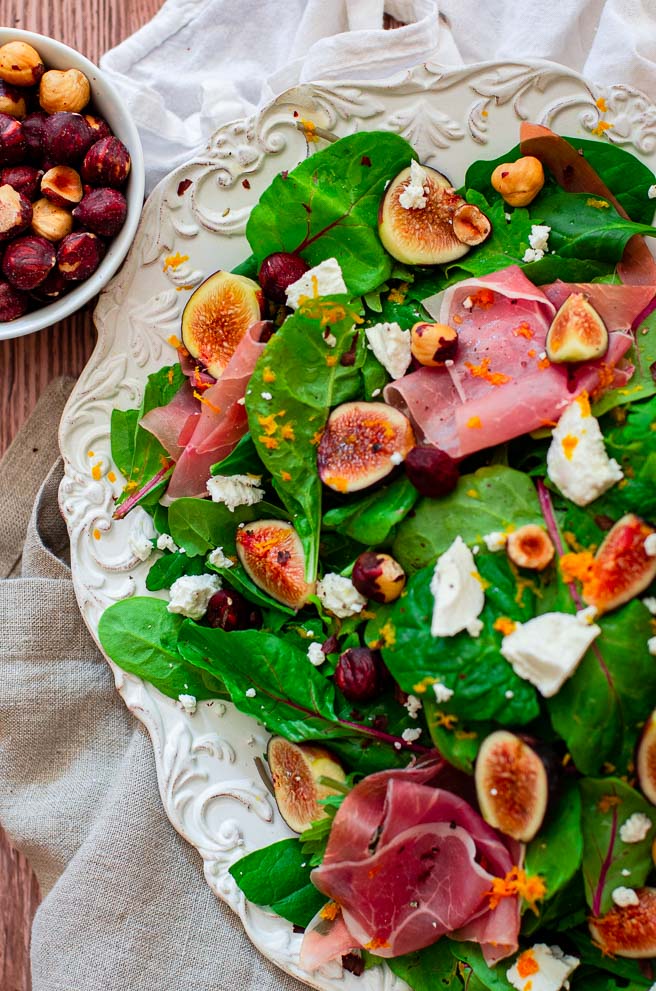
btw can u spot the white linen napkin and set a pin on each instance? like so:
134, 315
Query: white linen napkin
201, 63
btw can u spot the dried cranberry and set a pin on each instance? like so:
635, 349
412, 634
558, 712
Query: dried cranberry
359, 674
433, 472
228, 610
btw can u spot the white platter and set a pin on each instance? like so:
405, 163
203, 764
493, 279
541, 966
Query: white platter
208, 780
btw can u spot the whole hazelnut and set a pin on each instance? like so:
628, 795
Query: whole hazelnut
12, 100
24, 178
33, 126
99, 126
20, 64
433, 343
107, 163
15, 212
13, 303
470, 225
79, 255
102, 211
64, 89
66, 138
53, 286
51, 221
378, 576
62, 185
519, 182
27, 261
359, 674
12, 140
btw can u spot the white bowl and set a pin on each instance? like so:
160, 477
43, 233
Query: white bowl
107, 103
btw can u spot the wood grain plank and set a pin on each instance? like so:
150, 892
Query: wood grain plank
26, 366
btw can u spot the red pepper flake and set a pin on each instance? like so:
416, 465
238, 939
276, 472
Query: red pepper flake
183, 186
296, 113
245, 183
365, 160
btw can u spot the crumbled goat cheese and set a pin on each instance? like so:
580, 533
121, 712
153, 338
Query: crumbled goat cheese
577, 462
330, 340
547, 649
625, 872
188, 703
315, 654
509, 694
396, 458
391, 346
542, 355
165, 542
191, 594
651, 192
650, 545
235, 490
495, 541
539, 243
340, 596
624, 897
414, 195
544, 968
413, 705
468, 303
142, 534
410, 735
219, 560
532, 255
442, 693
375, 393
587, 615
250, 693
325, 279
651, 645
266, 395
650, 603
457, 591
635, 828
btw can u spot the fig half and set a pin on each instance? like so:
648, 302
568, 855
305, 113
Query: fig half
577, 332
423, 235
217, 315
362, 443
295, 771
628, 931
622, 568
511, 785
646, 759
272, 555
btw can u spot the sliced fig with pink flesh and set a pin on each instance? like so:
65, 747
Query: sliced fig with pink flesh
217, 315
425, 235
646, 759
622, 568
628, 931
362, 444
295, 771
511, 785
577, 332
272, 554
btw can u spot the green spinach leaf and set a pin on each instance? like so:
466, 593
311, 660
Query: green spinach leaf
434, 968
371, 518
242, 460
169, 567
555, 854
199, 525
278, 877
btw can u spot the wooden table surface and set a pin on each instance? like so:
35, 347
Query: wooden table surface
26, 366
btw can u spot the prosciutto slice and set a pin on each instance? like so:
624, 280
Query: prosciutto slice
407, 863
500, 386
171, 424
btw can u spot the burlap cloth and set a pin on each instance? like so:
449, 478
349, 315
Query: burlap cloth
125, 906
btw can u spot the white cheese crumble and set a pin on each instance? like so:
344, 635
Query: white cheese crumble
266, 395
635, 828
532, 255
495, 541
142, 534
457, 591
340, 596
547, 649
219, 560
188, 703
250, 693
509, 694
539, 243
577, 462
442, 693
651, 192
410, 735
650, 603
623, 897
191, 594
587, 615
391, 345
330, 340
165, 542
325, 279
396, 457
414, 195
235, 490
549, 969
651, 646
650, 545
315, 654
625, 872
468, 303
413, 705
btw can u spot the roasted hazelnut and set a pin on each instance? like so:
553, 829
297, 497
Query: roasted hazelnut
52, 287
15, 212
20, 64
470, 225
102, 211
51, 221
519, 182
62, 185
278, 271
530, 547
107, 163
66, 138
433, 343
12, 140
24, 178
33, 127
99, 126
359, 674
13, 303
64, 89
79, 255
433, 472
27, 261
12, 100
378, 576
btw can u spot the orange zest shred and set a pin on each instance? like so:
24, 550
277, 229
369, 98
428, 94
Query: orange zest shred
286, 477
388, 634
97, 534
463, 734
504, 625
597, 204
309, 129
269, 424
331, 360
207, 402
130, 486
287, 432
447, 720
523, 331
483, 582
517, 882
602, 126
111, 476
174, 341
269, 442
474, 423
170, 376
544, 363
527, 964
330, 911
601, 104
316, 438
584, 403
580, 566
376, 944
606, 377
397, 295
268, 375
457, 319
568, 444
484, 299
482, 371
96, 471
607, 802
531, 352
174, 261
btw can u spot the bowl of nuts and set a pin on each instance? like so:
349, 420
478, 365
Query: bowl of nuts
71, 181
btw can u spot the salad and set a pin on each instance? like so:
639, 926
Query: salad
399, 484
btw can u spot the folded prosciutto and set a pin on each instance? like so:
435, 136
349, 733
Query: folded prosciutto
406, 863
501, 385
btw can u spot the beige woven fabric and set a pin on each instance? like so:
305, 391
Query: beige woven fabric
126, 907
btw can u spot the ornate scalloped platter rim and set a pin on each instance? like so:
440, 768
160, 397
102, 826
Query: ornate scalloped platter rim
207, 777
